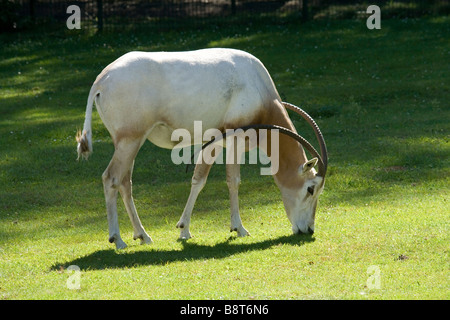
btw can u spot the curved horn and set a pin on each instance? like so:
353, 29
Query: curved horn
323, 148
285, 131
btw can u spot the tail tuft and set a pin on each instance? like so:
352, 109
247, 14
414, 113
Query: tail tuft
84, 138
84, 147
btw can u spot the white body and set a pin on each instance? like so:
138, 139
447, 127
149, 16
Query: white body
162, 91
144, 96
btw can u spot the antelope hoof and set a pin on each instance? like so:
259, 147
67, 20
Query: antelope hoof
117, 241
119, 244
185, 234
241, 231
145, 238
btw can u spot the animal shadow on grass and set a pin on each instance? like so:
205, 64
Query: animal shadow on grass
110, 258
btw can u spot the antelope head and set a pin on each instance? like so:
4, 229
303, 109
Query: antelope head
300, 202
300, 199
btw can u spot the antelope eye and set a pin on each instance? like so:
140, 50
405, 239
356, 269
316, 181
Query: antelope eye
311, 190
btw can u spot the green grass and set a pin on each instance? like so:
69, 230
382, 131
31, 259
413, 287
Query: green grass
381, 98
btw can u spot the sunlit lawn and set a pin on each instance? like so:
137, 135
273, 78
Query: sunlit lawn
381, 98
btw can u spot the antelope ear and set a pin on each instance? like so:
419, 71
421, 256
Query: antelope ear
307, 166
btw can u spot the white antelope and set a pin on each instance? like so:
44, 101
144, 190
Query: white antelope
147, 95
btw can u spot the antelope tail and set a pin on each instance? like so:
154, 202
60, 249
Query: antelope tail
84, 138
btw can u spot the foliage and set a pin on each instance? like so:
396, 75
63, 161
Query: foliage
8, 15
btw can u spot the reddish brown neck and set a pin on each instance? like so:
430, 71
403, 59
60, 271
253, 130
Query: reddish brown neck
291, 153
